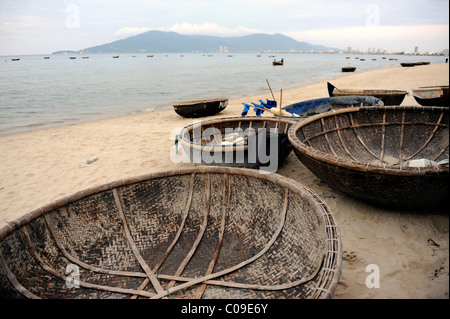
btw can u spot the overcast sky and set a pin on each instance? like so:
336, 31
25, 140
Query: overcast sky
45, 26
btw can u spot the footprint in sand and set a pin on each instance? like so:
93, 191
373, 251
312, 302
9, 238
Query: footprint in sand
349, 255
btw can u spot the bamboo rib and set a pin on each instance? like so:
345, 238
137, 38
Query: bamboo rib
360, 139
62, 277
226, 200
151, 275
81, 263
326, 137
368, 125
200, 234
344, 145
402, 136
436, 126
240, 265
383, 136
180, 228
13, 280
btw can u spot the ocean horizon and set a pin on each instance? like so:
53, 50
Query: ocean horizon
39, 91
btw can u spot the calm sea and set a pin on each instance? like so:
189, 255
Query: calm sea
36, 92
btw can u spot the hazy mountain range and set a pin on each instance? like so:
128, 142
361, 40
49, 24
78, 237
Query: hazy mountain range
170, 42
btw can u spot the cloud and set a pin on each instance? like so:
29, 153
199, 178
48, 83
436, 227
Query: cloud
206, 28
396, 38
210, 29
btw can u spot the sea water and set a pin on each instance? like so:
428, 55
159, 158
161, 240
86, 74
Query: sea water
36, 92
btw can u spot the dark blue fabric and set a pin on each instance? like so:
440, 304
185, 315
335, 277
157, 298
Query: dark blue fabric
305, 106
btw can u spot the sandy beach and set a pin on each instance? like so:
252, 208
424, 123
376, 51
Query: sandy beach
411, 249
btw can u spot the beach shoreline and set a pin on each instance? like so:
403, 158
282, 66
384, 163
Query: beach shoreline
41, 166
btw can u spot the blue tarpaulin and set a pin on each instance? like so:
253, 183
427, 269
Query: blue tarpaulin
316, 106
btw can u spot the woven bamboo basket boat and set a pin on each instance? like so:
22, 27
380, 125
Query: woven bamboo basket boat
202, 141
200, 108
389, 97
377, 153
204, 232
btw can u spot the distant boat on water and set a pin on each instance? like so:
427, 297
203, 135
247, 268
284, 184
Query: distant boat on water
281, 62
73, 57
85, 57
115, 56
411, 64
46, 57
15, 59
150, 56
348, 69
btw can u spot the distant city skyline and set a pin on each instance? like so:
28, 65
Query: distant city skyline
42, 27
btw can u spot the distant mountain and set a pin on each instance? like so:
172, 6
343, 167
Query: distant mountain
169, 42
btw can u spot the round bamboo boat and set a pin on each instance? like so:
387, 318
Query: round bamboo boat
432, 95
206, 142
389, 97
201, 108
204, 232
391, 155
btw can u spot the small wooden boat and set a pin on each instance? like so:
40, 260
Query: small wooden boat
348, 69
15, 59
432, 95
85, 57
389, 97
150, 56
205, 232
281, 62
235, 141
411, 64
201, 108
408, 64
391, 156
